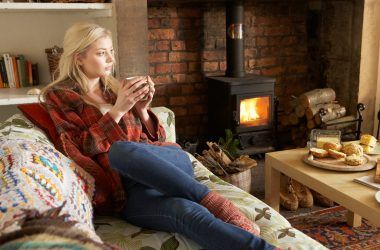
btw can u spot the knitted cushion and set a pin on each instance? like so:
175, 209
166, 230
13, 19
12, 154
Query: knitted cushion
35, 175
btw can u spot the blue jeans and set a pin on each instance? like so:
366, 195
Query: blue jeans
163, 195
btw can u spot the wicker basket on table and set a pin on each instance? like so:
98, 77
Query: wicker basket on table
53, 56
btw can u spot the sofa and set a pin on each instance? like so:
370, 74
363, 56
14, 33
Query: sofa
20, 135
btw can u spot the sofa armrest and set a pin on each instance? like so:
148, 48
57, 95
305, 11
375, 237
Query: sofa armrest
167, 120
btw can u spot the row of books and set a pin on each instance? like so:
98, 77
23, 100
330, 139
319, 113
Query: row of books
17, 72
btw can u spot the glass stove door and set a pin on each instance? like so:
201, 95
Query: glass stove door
255, 111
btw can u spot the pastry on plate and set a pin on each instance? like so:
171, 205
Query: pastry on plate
319, 152
332, 145
354, 160
336, 154
367, 149
368, 140
352, 149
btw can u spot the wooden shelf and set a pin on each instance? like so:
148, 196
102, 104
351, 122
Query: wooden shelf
14, 96
104, 9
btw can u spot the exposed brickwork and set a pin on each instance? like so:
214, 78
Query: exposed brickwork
188, 42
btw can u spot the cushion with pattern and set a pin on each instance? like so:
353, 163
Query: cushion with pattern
35, 175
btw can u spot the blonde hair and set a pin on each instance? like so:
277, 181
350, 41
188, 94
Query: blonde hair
77, 40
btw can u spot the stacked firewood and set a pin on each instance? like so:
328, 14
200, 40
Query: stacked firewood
220, 162
303, 113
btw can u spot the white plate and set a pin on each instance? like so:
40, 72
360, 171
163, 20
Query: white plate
377, 196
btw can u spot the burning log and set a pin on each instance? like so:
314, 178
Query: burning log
317, 96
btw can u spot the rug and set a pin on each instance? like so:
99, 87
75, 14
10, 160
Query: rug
328, 226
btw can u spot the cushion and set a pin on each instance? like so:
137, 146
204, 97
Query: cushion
167, 120
37, 114
19, 127
36, 176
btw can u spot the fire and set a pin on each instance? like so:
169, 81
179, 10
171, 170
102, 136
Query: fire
248, 110
255, 111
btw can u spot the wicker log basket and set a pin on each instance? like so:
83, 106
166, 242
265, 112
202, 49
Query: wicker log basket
241, 180
235, 170
53, 56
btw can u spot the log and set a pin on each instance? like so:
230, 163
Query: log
317, 120
293, 119
284, 120
344, 122
317, 96
331, 114
300, 111
290, 105
310, 112
310, 124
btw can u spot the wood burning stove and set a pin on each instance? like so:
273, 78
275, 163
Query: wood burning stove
246, 106
242, 103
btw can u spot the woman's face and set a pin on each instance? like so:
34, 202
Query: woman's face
99, 58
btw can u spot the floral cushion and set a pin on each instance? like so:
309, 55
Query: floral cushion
167, 120
19, 127
35, 175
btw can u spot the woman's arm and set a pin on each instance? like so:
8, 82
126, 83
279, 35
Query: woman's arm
91, 140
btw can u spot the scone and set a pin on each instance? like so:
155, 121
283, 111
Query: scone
319, 153
368, 140
354, 160
367, 149
352, 149
332, 145
336, 154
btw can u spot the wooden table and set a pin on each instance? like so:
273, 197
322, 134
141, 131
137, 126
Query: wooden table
337, 186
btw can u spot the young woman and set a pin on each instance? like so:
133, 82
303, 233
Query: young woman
106, 127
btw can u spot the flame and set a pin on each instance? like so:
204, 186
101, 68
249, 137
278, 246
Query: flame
248, 110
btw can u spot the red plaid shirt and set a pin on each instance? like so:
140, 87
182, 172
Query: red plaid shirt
86, 135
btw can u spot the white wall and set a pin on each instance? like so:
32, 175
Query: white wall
369, 86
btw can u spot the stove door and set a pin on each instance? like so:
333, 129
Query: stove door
253, 112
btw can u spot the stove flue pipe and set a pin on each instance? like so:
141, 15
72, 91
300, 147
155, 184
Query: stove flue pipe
235, 38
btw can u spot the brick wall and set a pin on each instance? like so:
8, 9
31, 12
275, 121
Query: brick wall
187, 42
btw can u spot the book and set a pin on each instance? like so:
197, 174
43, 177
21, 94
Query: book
29, 72
22, 71
9, 69
368, 181
15, 72
1, 81
35, 75
3, 73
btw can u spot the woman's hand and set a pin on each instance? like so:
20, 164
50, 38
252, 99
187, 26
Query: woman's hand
143, 104
130, 92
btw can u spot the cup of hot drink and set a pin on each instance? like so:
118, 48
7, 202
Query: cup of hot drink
140, 87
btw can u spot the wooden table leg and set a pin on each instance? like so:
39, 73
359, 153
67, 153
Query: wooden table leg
353, 220
272, 185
